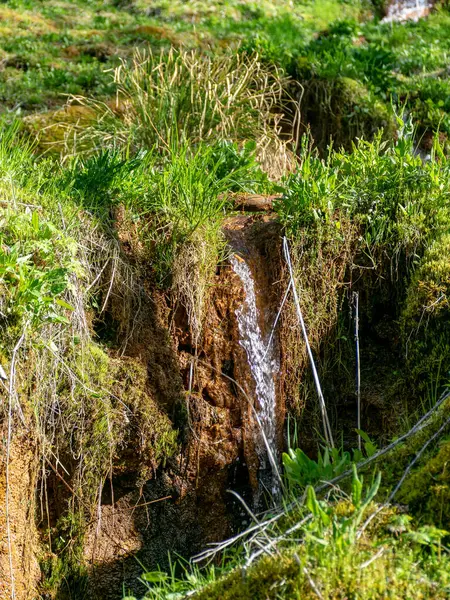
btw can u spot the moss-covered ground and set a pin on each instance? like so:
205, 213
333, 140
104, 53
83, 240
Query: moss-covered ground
129, 127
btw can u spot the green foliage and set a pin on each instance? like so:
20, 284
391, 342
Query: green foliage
31, 283
328, 525
396, 199
99, 180
52, 256
424, 319
228, 159
187, 127
425, 490
302, 471
353, 72
35, 260
62, 565
176, 200
182, 578
379, 207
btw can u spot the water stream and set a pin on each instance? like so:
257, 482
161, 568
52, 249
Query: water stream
263, 362
404, 10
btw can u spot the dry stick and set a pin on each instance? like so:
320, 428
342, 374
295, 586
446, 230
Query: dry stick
358, 368
372, 559
56, 472
229, 542
262, 532
308, 577
273, 543
146, 503
220, 546
249, 512
245, 505
11, 393
323, 408
312, 583
116, 259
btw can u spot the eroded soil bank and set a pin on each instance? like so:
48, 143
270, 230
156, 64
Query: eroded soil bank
221, 446
207, 391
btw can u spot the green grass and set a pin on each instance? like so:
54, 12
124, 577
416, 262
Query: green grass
182, 96
178, 105
53, 49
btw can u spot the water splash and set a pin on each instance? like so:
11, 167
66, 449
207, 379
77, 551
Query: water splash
407, 10
262, 359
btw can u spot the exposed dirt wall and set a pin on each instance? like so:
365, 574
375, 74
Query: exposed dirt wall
23, 546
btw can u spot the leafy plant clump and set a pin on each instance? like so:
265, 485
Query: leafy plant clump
300, 470
368, 215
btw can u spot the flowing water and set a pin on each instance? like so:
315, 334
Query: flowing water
404, 10
262, 360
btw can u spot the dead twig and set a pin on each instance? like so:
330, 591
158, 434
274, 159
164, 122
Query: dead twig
311, 581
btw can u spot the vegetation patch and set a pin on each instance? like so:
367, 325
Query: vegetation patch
140, 123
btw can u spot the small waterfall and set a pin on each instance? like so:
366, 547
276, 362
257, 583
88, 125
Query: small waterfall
405, 10
262, 360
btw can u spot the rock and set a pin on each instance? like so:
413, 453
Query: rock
255, 202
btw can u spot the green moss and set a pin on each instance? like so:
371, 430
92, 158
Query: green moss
395, 574
150, 431
427, 491
425, 323
343, 109
64, 572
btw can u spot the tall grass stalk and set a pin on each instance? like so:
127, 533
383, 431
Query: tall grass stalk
178, 96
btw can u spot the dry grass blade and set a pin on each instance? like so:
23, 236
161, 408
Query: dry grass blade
185, 96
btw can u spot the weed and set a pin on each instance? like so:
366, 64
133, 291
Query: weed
300, 470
